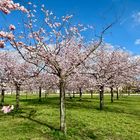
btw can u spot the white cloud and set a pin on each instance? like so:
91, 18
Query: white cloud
136, 17
137, 42
109, 46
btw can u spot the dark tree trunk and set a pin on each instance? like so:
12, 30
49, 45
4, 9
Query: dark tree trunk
70, 96
101, 97
62, 107
91, 92
73, 94
2, 96
80, 93
111, 91
129, 92
40, 93
17, 95
126, 91
117, 93
46, 93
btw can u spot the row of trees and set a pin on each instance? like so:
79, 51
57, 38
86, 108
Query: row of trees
106, 68
57, 55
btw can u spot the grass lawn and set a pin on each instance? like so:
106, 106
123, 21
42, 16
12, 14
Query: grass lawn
40, 121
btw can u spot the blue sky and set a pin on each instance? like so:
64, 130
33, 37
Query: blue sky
126, 32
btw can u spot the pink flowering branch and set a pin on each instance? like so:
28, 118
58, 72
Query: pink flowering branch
6, 6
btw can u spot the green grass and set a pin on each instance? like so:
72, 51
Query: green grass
40, 121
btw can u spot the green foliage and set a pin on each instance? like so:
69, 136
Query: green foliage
40, 120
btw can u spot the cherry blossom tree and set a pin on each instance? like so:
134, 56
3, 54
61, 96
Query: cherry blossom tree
3, 78
100, 67
16, 71
127, 70
79, 82
38, 83
111, 68
58, 47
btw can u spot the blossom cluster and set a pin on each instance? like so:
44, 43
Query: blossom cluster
2, 44
7, 109
5, 35
7, 5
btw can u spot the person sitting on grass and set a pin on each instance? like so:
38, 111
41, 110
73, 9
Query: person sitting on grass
7, 109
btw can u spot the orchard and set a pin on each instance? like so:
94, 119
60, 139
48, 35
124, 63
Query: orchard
62, 79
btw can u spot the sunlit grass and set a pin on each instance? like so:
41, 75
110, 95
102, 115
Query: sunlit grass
40, 120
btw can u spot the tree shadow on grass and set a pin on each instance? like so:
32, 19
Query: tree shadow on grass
121, 111
30, 114
52, 101
129, 98
39, 122
90, 134
89, 104
55, 131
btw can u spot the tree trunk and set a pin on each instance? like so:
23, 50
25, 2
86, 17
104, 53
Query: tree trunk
117, 93
40, 92
73, 94
101, 97
46, 94
80, 93
17, 95
70, 96
91, 92
62, 107
2, 96
129, 92
111, 91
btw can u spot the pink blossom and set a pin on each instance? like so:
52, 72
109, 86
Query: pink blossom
19, 43
2, 44
10, 36
7, 109
7, 35
67, 17
12, 107
23, 9
6, 6
12, 27
3, 34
